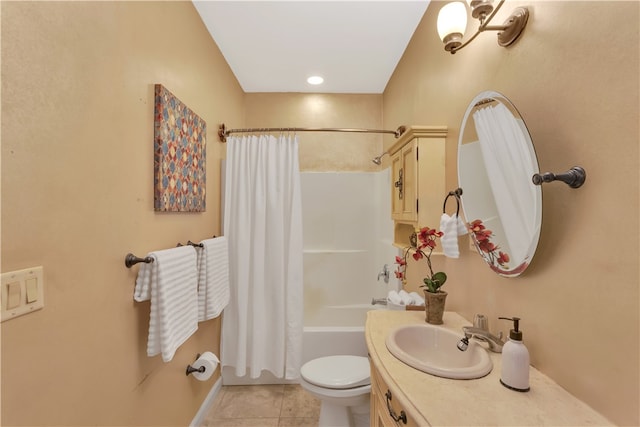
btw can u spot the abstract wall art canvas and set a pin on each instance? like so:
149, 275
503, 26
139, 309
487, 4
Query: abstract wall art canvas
179, 155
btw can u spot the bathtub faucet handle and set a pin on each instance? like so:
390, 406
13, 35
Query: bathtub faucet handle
384, 273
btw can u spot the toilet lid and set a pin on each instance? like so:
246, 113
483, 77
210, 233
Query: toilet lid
338, 372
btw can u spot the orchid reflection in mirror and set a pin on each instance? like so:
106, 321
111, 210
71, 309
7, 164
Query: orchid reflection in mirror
498, 260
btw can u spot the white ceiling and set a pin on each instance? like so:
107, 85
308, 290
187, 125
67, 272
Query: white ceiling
273, 46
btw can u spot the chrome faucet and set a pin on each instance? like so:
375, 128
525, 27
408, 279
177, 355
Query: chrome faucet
480, 332
381, 301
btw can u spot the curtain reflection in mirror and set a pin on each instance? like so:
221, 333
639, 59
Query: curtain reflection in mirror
501, 140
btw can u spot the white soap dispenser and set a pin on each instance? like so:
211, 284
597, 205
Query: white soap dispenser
515, 360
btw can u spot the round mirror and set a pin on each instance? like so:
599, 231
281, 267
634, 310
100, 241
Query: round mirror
496, 161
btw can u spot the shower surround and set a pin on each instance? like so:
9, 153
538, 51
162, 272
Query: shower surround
347, 238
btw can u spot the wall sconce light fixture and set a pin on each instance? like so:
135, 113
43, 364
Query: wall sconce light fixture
452, 23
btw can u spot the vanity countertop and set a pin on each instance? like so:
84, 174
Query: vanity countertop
483, 401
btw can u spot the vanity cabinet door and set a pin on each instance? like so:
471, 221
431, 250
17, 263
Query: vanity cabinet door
385, 411
379, 413
404, 173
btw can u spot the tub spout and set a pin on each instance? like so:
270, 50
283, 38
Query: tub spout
381, 301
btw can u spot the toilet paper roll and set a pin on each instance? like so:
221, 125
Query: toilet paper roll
207, 360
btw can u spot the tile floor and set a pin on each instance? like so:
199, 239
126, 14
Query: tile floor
281, 405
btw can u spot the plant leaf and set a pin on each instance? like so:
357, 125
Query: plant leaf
439, 277
428, 283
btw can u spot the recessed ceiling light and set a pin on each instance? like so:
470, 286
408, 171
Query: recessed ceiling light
315, 80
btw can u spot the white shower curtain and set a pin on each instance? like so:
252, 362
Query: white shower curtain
262, 325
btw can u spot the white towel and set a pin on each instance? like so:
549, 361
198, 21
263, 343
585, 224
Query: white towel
171, 283
394, 298
405, 297
142, 290
461, 226
416, 299
451, 227
213, 278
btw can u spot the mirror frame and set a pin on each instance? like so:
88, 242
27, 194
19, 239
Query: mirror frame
489, 240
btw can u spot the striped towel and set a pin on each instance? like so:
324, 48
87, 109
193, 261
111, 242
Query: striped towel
213, 278
170, 282
452, 227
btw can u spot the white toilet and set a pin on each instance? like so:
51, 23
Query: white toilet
343, 384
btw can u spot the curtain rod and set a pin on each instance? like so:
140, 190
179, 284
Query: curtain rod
223, 132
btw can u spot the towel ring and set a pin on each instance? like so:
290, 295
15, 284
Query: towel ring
455, 193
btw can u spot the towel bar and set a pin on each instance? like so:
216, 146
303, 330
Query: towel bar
130, 260
190, 243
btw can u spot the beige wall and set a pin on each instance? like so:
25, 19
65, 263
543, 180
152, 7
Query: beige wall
77, 100
324, 151
574, 78
77, 195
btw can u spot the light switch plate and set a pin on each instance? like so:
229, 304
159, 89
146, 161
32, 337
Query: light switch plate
22, 292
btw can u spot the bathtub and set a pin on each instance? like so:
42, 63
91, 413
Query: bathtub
342, 332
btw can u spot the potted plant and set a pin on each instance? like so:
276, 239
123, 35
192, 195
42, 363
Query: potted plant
422, 246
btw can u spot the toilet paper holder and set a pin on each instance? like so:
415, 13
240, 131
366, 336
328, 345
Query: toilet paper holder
191, 369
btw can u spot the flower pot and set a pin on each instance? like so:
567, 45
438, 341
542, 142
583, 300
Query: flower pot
434, 306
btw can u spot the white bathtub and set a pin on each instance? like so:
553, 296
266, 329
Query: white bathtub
342, 334
320, 341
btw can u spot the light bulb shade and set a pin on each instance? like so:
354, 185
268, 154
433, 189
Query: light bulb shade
480, 8
452, 19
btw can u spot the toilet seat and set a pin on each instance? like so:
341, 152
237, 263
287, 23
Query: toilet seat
337, 372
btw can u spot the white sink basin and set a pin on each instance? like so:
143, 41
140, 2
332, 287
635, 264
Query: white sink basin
433, 350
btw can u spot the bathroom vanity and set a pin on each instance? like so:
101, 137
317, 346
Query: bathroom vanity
402, 392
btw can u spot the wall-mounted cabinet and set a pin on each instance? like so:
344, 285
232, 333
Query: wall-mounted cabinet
404, 172
417, 180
